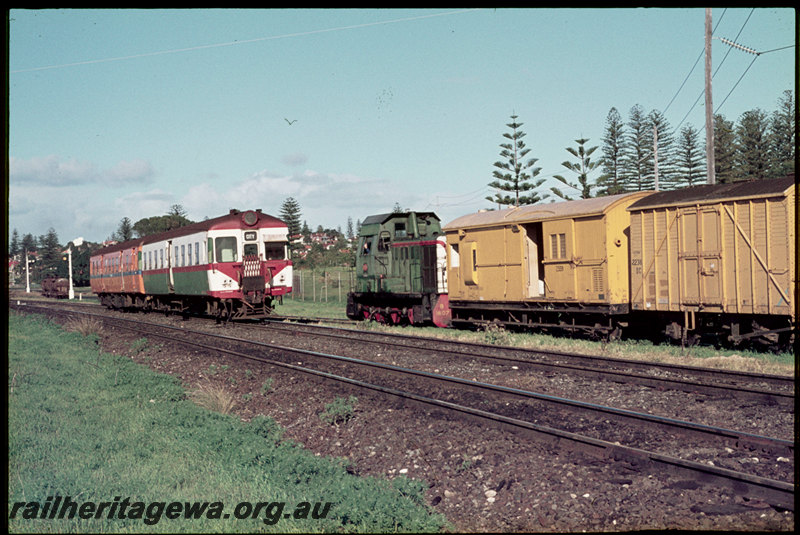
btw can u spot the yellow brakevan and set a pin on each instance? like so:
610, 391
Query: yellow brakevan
562, 265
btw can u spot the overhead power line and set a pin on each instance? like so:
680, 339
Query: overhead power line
244, 41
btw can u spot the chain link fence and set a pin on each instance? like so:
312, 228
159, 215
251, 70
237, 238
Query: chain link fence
322, 285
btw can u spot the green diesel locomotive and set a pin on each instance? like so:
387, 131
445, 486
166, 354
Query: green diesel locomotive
401, 275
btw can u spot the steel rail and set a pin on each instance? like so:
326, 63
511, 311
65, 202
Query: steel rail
737, 439
785, 399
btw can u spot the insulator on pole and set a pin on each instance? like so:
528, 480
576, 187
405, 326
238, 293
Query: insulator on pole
740, 47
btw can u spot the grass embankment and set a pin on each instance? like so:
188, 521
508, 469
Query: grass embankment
96, 428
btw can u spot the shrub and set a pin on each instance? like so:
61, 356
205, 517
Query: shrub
212, 397
339, 411
85, 326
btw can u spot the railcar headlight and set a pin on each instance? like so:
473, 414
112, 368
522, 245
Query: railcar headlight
250, 218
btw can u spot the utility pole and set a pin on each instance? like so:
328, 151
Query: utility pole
27, 273
710, 176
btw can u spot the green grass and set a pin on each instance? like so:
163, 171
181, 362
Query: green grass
98, 427
296, 307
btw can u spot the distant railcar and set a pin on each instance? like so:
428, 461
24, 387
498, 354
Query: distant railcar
57, 287
400, 270
231, 266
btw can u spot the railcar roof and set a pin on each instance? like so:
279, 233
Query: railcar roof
229, 220
709, 193
541, 212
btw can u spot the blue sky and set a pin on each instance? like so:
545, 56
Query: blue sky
116, 113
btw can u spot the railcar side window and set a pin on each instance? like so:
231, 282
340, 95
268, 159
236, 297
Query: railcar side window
197, 252
226, 249
274, 251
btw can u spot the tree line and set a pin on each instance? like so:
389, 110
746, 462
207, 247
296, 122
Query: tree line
645, 153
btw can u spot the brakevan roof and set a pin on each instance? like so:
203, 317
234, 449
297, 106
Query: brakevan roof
709, 193
229, 220
540, 212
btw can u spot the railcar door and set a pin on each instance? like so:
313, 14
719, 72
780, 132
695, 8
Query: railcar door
170, 263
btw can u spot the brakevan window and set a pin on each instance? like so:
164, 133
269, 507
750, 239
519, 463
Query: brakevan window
558, 245
226, 249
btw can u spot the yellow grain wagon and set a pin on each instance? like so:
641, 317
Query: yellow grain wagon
717, 260
560, 265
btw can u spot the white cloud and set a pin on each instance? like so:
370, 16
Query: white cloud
53, 171
295, 160
326, 199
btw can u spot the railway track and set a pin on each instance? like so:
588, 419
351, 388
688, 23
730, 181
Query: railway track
522, 411
711, 381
